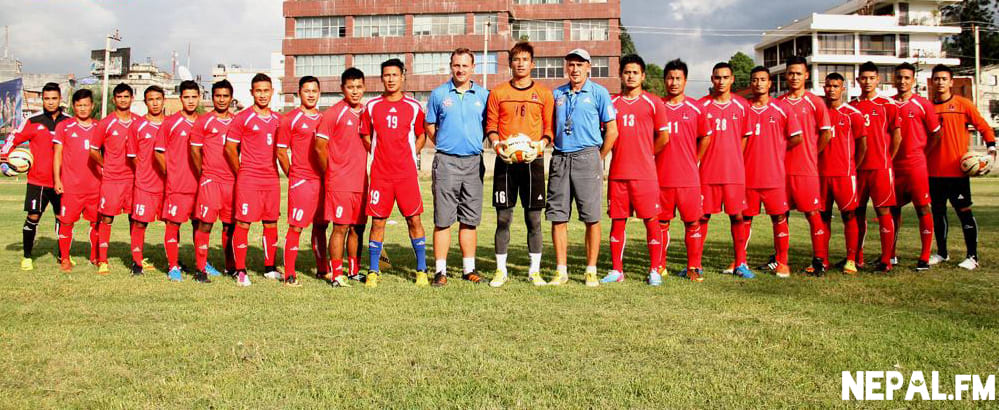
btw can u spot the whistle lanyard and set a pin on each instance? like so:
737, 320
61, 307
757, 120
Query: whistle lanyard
570, 107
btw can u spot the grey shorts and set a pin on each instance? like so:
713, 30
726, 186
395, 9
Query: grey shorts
457, 187
575, 176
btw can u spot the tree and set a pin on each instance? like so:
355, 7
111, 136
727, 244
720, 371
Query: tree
627, 45
742, 65
654, 80
967, 14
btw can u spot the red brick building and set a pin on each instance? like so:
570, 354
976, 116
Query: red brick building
323, 37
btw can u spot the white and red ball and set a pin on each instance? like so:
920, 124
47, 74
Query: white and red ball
20, 160
975, 164
520, 149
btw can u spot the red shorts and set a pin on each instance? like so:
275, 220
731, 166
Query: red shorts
214, 202
177, 207
687, 200
773, 199
255, 205
116, 198
878, 185
912, 185
305, 203
803, 193
345, 208
625, 197
843, 190
733, 196
74, 205
146, 206
383, 193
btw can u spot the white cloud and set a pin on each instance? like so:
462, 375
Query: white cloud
687, 8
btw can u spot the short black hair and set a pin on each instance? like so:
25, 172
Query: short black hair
122, 87
222, 85
632, 59
83, 93
189, 85
394, 62
835, 77
722, 65
260, 78
868, 67
307, 79
905, 66
676, 65
521, 47
940, 68
153, 89
51, 87
352, 73
759, 69
795, 60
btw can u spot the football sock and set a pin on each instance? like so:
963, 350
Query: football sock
467, 265
355, 268
94, 241
103, 237
138, 242
654, 242
562, 270
739, 241
201, 240
374, 254
896, 217
420, 249
695, 246
270, 245
319, 248
239, 244
65, 240
925, 236
532, 218
170, 238
535, 262
230, 257
782, 240
852, 234
704, 234
827, 221
664, 250
969, 225
28, 236
291, 241
504, 216
861, 233
941, 227
820, 235
501, 262
337, 265
591, 269
887, 226
440, 266
617, 239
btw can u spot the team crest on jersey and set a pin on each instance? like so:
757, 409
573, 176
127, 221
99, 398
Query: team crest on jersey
912, 115
773, 120
448, 103
735, 117
560, 101
685, 117
478, 103
588, 100
534, 97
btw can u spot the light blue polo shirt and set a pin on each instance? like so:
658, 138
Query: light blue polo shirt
460, 118
589, 108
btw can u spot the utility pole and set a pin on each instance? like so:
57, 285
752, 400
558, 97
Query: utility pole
485, 56
978, 64
107, 63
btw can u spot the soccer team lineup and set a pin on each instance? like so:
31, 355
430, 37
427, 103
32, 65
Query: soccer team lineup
672, 159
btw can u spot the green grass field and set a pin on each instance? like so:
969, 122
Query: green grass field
81, 340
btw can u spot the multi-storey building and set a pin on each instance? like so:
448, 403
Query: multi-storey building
324, 37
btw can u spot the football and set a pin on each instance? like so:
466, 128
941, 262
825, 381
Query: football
519, 148
20, 160
975, 164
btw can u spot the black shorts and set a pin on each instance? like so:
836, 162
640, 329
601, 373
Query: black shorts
37, 198
524, 180
957, 190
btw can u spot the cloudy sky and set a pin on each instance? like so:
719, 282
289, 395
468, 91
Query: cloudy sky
57, 35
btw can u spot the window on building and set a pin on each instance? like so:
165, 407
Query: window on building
480, 24
803, 46
847, 71
537, 1
903, 46
371, 64
439, 25
319, 65
600, 67
537, 30
589, 1
485, 65
320, 27
877, 44
431, 63
548, 67
770, 56
887, 74
588, 30
379, 26
786, 50
836, 44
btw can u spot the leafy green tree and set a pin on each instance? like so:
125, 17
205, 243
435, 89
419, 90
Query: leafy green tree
627, 45
967, 14
742, 65
654, 79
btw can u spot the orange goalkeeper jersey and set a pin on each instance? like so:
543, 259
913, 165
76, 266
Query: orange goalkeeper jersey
944, 159
529, 111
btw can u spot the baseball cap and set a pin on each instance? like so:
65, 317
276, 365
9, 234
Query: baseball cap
579, 53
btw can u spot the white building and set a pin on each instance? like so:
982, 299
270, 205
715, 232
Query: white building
240, 78
842, 38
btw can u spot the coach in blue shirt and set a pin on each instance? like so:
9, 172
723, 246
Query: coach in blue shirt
456, 115
585, 131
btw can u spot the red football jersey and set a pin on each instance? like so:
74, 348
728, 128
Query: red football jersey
141, 146
812, 114
209, 133
839, 157
112, 135
723, 162
297, 132
347, 168
879, 120
770, 127
638, 122
35, 130
257, 157
918, 119
174, 141
393, 127
677, 162
80, 174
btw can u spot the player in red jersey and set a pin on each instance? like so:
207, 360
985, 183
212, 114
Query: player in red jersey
147, 193
774, 132
803, 159
676, 165
174, 159
344, 160
109, 150
875, 180
37, 131
632, 186
920, 126
250, 152
306, 195
838, 165
76, 175
723, 174
392, 126
215, 197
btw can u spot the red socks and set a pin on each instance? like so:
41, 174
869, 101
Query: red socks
782, 241
887, 237
94, 242
820, 236
103, 238
319, 249
201, 240
925, 235
654, 241
739, 241
337, 265
239, 246
65, 240
695, 245
291, 240
861, 236
617, 238
138, 234
852, 233
171, 237
354, 267
664, 250
270, 245
230, 257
